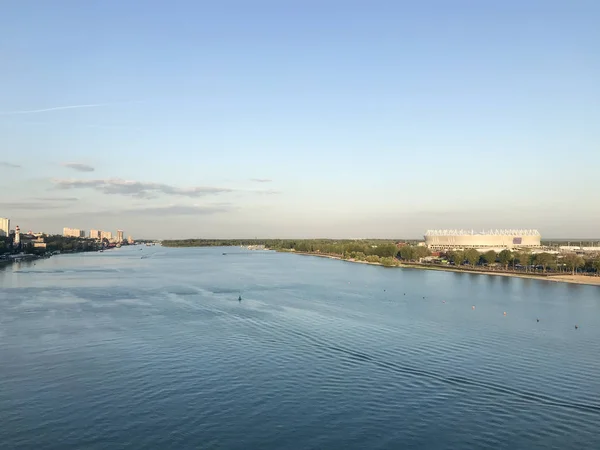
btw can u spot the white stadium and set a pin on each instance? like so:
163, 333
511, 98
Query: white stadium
440, 240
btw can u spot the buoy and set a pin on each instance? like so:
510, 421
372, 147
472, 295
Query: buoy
537, 320
576, 326
473, 307
504, 312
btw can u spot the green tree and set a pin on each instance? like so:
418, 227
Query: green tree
389, 261
596, 265
505, 257
385, 250
360, 256
524, 258
421, 252
407, 253
490, 257
472, 256
302, 247
573, 262
544, 260
457, 257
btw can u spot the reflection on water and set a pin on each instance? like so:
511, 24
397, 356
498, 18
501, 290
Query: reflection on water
107, 350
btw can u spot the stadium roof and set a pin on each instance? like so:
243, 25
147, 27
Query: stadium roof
511, 232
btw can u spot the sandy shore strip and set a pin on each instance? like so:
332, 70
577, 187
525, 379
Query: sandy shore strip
559, 278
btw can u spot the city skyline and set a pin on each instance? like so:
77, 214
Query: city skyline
330, 120
6, 231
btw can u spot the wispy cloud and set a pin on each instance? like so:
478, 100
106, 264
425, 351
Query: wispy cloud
60, 108
39, 203
267, 192
161, 211
139, 189
56, 199
261, 180
78, 166
180, 210
29, 206
9, 165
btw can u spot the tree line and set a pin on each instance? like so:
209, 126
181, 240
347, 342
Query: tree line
527, 261
391, 253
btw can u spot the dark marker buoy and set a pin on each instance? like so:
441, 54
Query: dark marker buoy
537, 320
576, 326
240, 298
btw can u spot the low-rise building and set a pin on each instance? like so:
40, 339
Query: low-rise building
39, 243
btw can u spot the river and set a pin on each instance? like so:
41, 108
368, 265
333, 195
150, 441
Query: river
112, 350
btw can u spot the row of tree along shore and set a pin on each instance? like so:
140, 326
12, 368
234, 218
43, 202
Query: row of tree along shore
390, 253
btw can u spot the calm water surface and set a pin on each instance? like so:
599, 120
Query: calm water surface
109, 350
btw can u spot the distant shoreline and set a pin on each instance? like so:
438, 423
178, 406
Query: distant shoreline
560, 278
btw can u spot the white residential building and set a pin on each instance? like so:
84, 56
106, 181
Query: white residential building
4, 227
73, 232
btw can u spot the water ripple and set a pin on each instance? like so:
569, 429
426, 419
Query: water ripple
102, 351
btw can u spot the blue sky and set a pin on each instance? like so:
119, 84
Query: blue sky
300, 118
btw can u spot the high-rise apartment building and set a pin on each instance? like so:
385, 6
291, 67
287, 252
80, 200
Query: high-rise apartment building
119, 235
4, 227
129, 240
73, 232
95, 234
105, 235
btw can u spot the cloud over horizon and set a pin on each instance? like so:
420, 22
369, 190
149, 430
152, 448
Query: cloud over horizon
56, 199
180, 210
31, 205
268, 192
138, 189
261, 180
9, 165
162, 211
80, 167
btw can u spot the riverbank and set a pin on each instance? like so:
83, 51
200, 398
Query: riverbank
557, 278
